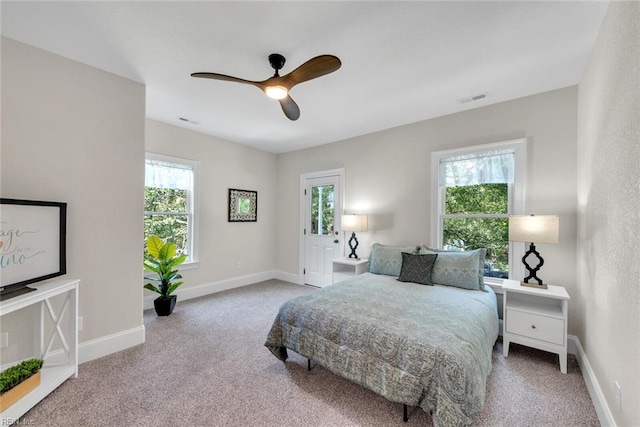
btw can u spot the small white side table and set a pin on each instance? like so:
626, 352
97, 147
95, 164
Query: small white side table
536, 318
55, 370
348, 268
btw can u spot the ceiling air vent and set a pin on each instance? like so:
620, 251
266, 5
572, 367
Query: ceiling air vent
193, 122
472, 98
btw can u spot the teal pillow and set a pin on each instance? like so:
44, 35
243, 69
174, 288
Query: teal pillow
388, 259
463, 269
417, 268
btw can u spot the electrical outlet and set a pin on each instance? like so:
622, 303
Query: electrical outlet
239, 265
4, 340
80, 323
618, 396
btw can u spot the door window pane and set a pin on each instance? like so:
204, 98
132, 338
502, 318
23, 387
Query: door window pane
322, 210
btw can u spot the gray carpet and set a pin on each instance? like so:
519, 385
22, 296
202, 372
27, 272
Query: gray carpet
205, 365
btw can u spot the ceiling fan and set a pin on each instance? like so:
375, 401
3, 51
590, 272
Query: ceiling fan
278, 87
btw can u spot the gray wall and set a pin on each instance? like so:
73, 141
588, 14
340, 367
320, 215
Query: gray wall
609, 209
224, 165
388, 176
76, 134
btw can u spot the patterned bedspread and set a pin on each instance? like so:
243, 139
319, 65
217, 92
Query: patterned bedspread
427, 346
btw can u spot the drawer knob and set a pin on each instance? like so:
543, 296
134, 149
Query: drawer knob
533, 326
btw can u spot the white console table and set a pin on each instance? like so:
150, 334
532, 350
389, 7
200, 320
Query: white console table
56, 369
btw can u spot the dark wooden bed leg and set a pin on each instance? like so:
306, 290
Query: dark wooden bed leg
405, 418
308, 364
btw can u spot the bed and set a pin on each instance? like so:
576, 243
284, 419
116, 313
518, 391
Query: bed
419, 345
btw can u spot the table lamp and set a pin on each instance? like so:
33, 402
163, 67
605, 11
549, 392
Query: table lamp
354, 223
533, 229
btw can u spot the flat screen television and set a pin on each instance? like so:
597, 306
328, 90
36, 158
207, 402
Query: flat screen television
32, 244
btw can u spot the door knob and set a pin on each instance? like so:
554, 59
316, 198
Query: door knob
336, 241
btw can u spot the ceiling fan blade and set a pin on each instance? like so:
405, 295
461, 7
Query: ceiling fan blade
313, 68
216, 76
290, 108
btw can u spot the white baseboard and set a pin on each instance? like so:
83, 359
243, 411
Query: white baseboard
100, 347
103, 346
287, 277
185, 293
595, 391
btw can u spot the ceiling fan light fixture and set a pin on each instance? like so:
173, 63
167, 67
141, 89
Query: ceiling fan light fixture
276, 92
277, 87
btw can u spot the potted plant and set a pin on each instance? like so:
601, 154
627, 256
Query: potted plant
161, 258
18, 380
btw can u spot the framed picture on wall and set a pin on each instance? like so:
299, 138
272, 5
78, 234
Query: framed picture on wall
243, 205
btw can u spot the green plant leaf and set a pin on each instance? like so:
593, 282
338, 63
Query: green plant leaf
16, 374
177, 260
154, 244
175, 276
167, 251
173, 287
152, 288
151, 267
160, 258
171, 251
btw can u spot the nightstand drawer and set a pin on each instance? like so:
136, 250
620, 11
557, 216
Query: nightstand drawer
534, 326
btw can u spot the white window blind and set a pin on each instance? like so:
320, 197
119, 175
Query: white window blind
159, 174
495, 167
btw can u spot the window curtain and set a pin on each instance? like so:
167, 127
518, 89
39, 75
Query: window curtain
159, 174
494, 167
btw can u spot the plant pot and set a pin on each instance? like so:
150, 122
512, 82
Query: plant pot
165, 305
18, 392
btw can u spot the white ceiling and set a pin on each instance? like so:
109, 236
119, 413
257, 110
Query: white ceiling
402, 62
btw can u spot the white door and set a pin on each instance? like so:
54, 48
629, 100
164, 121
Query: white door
322, 239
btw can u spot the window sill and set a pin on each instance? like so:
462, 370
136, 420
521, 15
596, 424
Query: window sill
189, 265
494, 283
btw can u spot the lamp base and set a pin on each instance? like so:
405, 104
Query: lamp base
353, 244
534, 285
533, 270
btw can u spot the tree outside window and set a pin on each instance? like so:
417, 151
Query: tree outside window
476, 216
475, 189
168, 201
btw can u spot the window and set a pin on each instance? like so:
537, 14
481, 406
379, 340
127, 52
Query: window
474, 192
322, 209
169, 200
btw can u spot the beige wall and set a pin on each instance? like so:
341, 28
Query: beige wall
388, 176
609, 209
76, 134
224, 165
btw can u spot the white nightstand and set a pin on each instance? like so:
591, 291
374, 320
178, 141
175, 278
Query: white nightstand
536, 318
348, 268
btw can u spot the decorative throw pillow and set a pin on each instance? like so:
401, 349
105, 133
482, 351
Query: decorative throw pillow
417, 268
388, 259
463, 269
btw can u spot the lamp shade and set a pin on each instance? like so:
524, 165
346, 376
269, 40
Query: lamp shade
534, 228
354, 223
